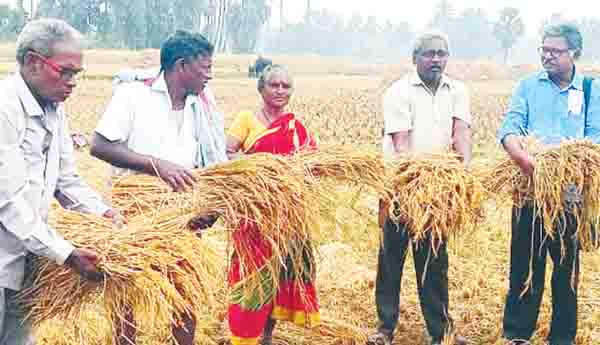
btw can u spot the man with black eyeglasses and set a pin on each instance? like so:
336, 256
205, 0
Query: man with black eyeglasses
425, 112
550, 105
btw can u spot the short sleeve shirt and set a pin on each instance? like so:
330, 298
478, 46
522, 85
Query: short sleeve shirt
140, 116
408, 105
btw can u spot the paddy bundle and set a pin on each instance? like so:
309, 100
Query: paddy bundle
343, 163
264, 191
435, 197
566, 179
337, 173
159, 272
248, 188
143, 194
503, 175
237, 189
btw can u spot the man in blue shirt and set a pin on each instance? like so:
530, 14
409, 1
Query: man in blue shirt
551, 106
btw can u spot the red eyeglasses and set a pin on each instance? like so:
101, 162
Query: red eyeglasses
65, 72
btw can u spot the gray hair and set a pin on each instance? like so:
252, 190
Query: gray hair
41, 35
425, 37
569, 32
268, 71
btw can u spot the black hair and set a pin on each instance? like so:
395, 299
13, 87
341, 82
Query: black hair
183, 44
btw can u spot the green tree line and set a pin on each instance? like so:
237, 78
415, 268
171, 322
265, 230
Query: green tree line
243, 26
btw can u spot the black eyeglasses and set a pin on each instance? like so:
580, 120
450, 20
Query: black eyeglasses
553, 52
430, 54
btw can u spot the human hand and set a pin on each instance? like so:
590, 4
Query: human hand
178, 177
526, 162
116, 217
83, 261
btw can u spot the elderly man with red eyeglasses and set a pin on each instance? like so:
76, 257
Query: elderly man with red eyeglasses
37, 165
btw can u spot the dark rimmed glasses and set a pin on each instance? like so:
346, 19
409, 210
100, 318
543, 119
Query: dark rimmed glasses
553, 52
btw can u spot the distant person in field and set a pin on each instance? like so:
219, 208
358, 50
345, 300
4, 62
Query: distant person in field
259, 66
271, 129
550, 105
424, 112
165, 126
37, 165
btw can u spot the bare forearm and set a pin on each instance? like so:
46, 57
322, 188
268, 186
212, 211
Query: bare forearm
462, 140
401, 142
463, 146
118, 155
512, 146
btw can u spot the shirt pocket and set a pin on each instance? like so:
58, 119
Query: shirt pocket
36, 143
12, 172
37, 147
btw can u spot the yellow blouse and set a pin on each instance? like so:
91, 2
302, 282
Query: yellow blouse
247, 128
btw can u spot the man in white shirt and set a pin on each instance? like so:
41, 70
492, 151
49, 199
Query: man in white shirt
166, 127
37, 165
425, 112
170, 125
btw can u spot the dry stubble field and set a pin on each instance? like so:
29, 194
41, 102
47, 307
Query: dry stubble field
339, 101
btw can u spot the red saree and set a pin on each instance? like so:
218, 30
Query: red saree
295, 299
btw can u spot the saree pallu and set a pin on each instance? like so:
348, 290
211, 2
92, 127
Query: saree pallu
285, 136
295, 297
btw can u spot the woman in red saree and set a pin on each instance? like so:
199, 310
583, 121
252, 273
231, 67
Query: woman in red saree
271, 130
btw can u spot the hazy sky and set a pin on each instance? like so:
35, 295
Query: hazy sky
419, 12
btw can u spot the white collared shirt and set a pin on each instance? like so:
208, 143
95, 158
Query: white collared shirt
141, 116
36, 165
408, 105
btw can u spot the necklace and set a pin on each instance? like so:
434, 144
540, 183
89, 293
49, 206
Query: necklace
267, 116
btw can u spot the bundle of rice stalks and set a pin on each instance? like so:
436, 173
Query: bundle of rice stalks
158, 272
343, 163
95, 329
253, 188
264, 191
334, 172
142, 194
505, 176
218, 191
435, 196
280, 196
566, 179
